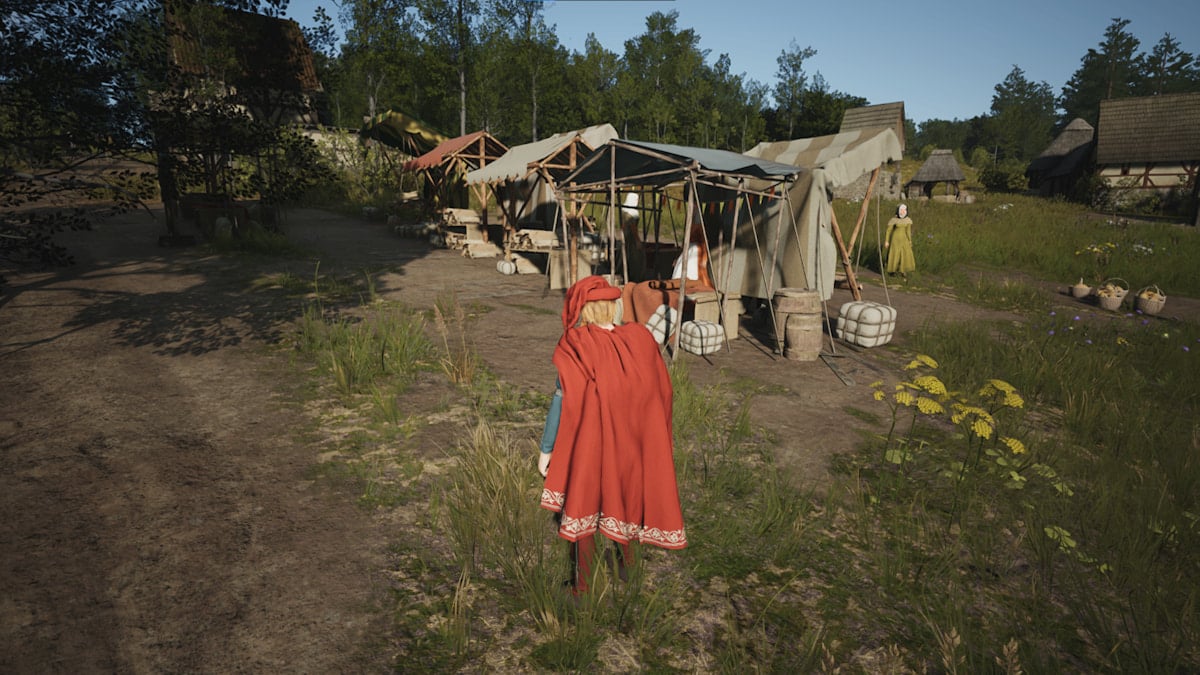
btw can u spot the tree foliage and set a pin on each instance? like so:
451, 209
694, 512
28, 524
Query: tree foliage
1111, 71
1167, 69
791, 84
1022, 116
123, 93
1025, 115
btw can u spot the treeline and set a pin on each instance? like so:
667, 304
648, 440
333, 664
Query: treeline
1025, 116
463, 65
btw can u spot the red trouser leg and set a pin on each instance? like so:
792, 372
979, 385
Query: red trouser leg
582, 552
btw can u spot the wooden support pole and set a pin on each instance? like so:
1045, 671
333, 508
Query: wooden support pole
862, 212
837, 237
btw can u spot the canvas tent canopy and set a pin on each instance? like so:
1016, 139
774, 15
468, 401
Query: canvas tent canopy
476, 150
834, 161
841, 157
398, 130
745, 252
445, 166
754, 246
525, 177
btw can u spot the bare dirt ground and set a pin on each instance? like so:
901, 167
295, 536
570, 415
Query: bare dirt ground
157, 510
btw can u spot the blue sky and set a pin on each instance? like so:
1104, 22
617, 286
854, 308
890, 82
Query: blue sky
943, 59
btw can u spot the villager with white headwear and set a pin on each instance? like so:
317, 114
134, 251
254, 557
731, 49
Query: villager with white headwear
898, 242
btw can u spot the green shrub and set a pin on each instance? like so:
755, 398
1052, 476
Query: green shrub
1007, 176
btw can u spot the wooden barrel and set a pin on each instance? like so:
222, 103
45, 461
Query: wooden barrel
793, 301
797, 301
803, 337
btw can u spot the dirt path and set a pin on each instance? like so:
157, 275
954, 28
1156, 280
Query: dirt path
155, 510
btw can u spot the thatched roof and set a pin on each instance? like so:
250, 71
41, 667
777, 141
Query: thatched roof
939, 167
889, 115
1072, 162
1163, 128
269, 52
1078, 133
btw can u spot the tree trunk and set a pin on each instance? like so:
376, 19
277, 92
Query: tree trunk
462, 99
533, 96
169, 191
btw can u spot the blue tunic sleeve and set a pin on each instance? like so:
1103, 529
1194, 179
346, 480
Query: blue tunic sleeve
550, 430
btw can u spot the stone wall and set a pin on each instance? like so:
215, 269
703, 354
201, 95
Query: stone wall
888, 186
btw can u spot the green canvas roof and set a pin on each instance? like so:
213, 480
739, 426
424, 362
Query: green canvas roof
402, 131
643, 163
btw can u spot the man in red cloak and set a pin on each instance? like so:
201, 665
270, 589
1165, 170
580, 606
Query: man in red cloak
613, 468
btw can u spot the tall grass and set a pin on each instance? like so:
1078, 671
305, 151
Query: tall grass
459, 359
359, 352
501, 535
1035, 236
1114, 452
1041, 517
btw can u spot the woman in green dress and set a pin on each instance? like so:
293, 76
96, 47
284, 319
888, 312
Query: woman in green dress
898, 242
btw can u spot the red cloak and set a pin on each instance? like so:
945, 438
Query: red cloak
613, 468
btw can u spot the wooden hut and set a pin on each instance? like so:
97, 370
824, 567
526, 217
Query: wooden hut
1150, 143
1064, 161
941, 167
887, 183
890, 115
270, 67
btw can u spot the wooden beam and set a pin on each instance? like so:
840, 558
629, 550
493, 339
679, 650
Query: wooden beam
862, 212
837, 237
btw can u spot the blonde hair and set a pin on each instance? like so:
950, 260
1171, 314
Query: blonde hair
598, 312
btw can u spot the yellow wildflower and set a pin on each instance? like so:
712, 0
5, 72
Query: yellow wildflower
904, 398
1014, 400
981, 428
1122, 341
879, 395
1003, 386
1014, 444
974, 411
876, 384
931, 384
929, 406
921, 360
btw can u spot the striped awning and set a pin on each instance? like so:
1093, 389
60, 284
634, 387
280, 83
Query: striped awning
843, 157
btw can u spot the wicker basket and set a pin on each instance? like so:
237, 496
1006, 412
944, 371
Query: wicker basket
1119, 285
1152, 305
1111, 294
1080, 290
